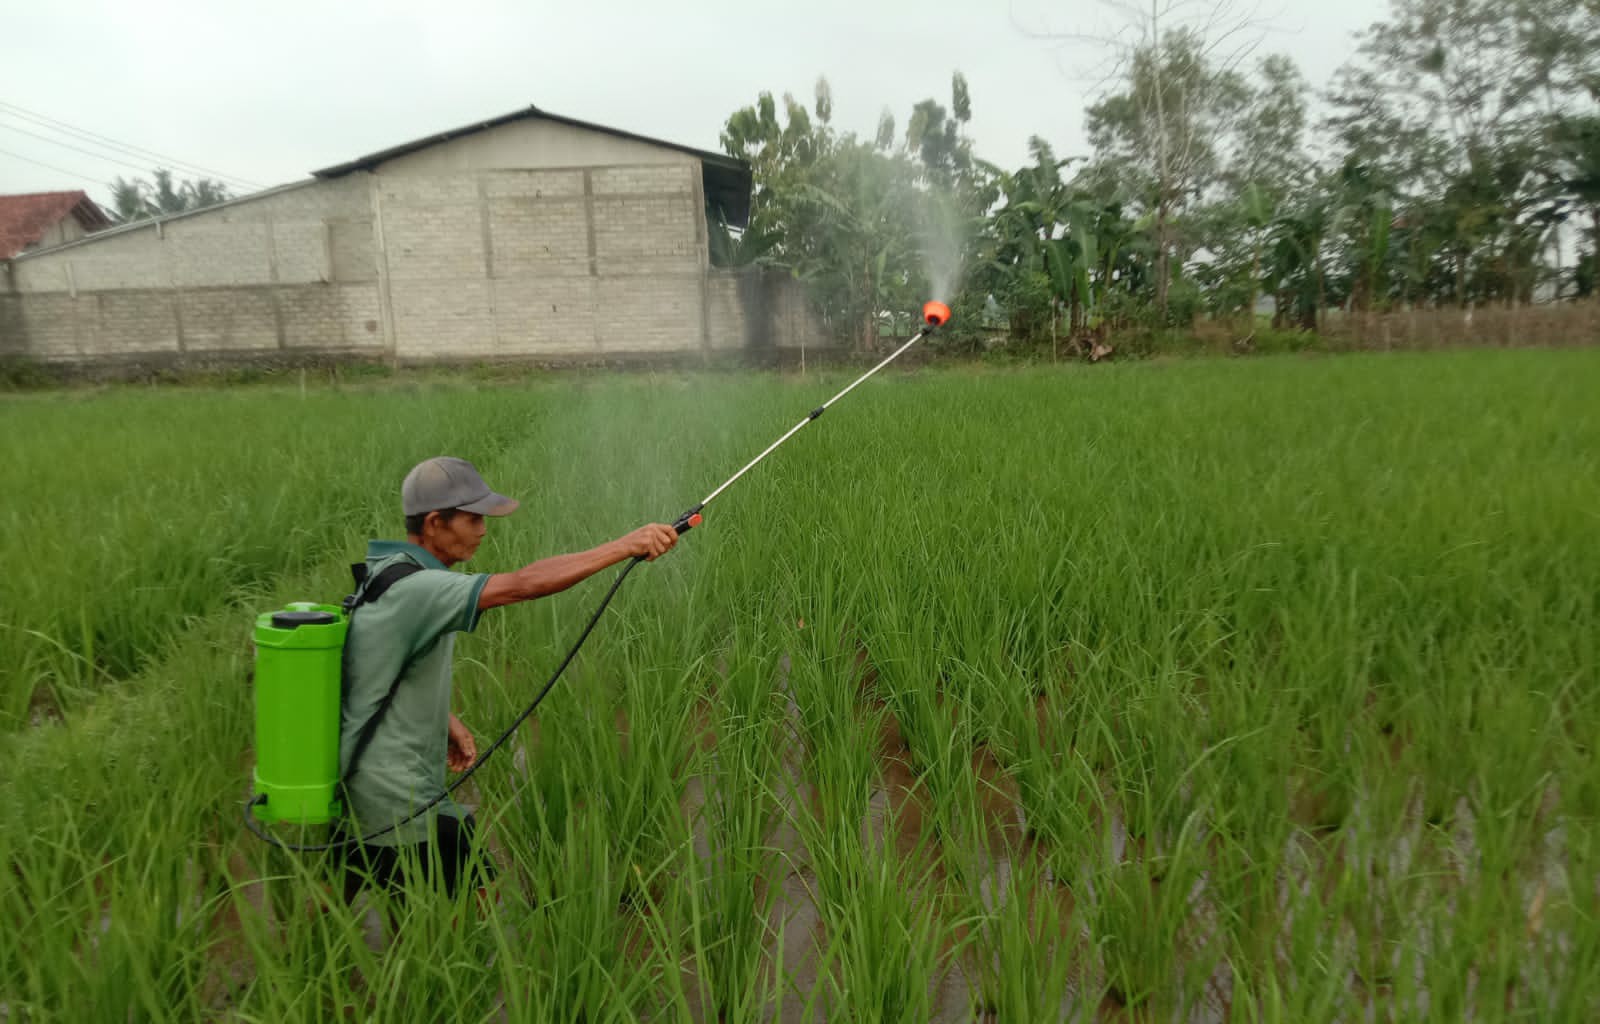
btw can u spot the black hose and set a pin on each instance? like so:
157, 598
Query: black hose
250, 822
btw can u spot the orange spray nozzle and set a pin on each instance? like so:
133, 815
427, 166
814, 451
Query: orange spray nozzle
935, 313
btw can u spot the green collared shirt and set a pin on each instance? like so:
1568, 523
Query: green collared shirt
408, 633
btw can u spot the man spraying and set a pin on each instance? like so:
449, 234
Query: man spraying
397, 733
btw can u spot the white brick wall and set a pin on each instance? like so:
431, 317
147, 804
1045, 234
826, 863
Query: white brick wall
221, 280
300, 253
652, 179
725, 311
58, 326
648, 314
331, 319
564, 184
536, 316
228, 319
535, 289
137, 321
202, 253
433, 229
353, 249
646, 235
539, 237
448, 319
128, 260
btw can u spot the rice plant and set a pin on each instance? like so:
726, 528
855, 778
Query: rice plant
1263, 690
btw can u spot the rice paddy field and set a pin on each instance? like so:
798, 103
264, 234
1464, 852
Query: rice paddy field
1244, 690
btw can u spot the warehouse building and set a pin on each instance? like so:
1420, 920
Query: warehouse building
529, 236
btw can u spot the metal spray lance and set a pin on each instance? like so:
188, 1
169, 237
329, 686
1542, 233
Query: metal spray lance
934, 315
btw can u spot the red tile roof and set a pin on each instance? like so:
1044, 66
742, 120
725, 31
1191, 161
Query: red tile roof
24, 219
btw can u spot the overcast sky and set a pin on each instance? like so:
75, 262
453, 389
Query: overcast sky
268, 92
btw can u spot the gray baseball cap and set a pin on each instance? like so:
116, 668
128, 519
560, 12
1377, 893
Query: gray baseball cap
446, 482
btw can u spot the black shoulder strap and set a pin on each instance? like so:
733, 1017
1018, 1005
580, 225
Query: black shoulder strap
368, 593
386, 579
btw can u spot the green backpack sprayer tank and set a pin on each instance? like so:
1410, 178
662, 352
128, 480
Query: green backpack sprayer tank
299, 656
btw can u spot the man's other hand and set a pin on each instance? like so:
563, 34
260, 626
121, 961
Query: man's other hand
463, 750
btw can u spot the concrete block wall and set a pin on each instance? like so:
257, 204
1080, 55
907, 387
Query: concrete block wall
795, 323
725, 312
506, 262
761, 309
289, 269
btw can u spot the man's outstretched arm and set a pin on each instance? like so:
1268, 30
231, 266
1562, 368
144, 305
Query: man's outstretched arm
553, 575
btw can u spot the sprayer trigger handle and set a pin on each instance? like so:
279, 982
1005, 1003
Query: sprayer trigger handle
689, 520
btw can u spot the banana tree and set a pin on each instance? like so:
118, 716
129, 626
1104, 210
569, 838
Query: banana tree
1363, 221
857, 247
731, 247
1072, 256
1294, 265
1014, 266
1045, 253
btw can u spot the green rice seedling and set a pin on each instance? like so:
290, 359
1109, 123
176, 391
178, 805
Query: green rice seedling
1562, 923
882, 942
1386, 887
568, 935
637, 789
1149, 760
1142, 924
726, 892
1025, 948
1288, 956
1255, 861
886, 945
98, 927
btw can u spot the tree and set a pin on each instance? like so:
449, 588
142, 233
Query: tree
866, 224
138, 199
859, 251
936, 136
1364, 214
1451, 98
1264, 164
1015, 266
1155, 131
1163, 135
1295, 268
1575, 144
780, 154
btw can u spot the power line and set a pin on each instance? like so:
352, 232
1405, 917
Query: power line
77, 149
52, 167
94, 138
